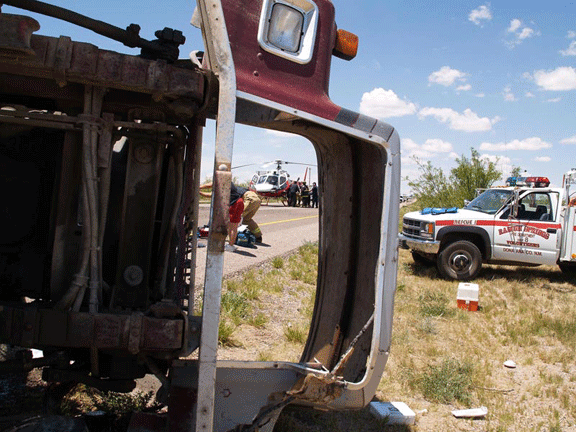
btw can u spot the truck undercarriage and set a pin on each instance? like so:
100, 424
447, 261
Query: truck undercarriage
100, 155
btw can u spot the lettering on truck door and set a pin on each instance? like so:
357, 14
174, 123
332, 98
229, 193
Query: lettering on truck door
532, 235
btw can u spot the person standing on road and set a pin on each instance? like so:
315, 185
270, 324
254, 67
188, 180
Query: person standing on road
299, 194
305, 195
294, 189
288, 193
314, 195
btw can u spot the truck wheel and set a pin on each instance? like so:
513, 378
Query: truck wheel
460, 260
421, 259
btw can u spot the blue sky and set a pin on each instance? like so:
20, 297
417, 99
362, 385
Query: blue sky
499, 77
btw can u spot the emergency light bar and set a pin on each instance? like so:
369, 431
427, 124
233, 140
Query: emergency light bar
536, 182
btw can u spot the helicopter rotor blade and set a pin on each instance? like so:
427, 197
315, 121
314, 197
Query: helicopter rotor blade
279, 163
298, 163
274, 162
241, 166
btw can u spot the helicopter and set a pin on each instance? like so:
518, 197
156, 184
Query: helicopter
274, 183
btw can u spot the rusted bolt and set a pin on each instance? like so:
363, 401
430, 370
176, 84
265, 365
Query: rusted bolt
226, 393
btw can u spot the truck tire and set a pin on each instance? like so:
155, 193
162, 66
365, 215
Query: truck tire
460, 260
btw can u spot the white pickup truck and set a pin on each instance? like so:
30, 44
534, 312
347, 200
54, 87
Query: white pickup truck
526, 224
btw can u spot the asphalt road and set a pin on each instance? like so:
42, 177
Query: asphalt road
284, 229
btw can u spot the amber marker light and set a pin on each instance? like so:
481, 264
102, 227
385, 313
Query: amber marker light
346, 45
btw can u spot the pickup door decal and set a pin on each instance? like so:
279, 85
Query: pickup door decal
532, 243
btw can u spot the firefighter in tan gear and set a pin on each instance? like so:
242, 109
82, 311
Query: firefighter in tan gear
251, 205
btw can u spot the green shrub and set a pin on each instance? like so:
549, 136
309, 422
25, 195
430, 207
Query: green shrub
225, 330
235, 306
433, 303
295, 334
449, 381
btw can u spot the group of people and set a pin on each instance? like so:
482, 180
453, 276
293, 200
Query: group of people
300, 195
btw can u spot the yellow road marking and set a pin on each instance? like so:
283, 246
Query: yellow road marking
288, 220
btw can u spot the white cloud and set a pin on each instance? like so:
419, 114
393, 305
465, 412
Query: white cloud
571, 140
529, 144
467, 121
571, 34
520, 33
553, 100
570, 51
482, 13
430, 149
514, 25
529, 95
410, 150
464, 87
446, 76
437, 146
542, 159
381, 104
503, 163
525, 33
480, 95
562, 78
409, 144
508, 95
453, 155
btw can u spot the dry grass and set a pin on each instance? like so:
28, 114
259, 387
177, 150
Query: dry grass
443, 358
527, 315
259, 329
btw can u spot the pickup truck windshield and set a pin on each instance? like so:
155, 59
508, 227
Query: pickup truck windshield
490, 201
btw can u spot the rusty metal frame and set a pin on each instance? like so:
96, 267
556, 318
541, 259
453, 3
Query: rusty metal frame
329, 384
135, 333
220, 61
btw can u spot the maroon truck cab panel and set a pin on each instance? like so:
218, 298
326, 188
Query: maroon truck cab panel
266, 75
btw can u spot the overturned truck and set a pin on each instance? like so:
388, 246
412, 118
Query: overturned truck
100, 155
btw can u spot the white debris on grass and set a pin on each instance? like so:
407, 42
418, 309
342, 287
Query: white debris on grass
393, 412
470, 413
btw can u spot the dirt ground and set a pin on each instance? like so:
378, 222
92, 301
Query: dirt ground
527, 315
